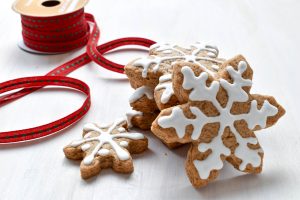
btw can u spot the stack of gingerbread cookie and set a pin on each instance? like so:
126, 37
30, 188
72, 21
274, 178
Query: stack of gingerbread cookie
185, 96
151, 77
189, 95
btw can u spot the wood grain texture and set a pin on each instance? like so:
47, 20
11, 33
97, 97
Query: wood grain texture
265, 32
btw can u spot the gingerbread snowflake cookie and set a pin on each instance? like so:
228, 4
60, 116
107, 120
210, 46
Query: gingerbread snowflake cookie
105, 146
151, 76
218, 116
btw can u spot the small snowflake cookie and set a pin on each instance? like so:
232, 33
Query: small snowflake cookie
151, 76
107, 146
218, 116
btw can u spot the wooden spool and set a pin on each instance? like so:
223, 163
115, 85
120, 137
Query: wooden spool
47, 8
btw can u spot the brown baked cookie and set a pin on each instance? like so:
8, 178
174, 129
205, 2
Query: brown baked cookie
155, 71
141, 120
164, 93
106, 146
218, 116
142, 100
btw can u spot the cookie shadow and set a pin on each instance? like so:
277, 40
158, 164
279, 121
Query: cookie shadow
154, 141
71, 163
143, 155
103, 172
106, 172
182, 151
124, 176
233, 187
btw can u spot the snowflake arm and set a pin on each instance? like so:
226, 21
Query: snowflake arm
103, 137
213, 161
179, 121
235, 90
176, 118
165, 84
259, 116
200, 92
244, 153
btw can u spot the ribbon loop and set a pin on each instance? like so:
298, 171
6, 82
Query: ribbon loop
61, 34
47, 129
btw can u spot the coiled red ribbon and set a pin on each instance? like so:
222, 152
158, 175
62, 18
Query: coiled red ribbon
61, 34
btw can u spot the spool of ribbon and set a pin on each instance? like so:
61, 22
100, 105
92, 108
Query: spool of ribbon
57, 34
61, 33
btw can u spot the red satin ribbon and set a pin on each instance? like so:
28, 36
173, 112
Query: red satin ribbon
46, 34
55, 34
44, 130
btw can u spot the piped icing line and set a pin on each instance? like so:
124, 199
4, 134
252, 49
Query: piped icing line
201, 92
199, 47
156, 61
85, 147
206, 47
140, 92
130, 115
165, 83
165, 48
106, 137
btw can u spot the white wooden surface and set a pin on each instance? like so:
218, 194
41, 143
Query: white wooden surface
266, 32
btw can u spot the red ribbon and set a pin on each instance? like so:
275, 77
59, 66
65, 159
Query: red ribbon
57, 34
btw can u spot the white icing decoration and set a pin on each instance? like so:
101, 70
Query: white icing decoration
121, 129
145, 63
156, 45
165, 82
213, 159
165, 78
202, 92
165, 48
130, 115
103, 152
85, 147
124, 143
140, 92
87, 135
106, 137
215, 67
